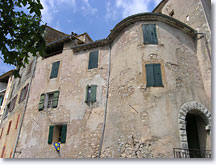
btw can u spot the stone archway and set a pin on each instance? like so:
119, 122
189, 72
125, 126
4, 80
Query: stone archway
185, 108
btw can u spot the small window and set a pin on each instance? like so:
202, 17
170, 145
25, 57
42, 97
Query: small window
55, 68
1, 132
171, 13
9, 126
57, 133
149, 34
1, 99
153, 75
49, 100
93, 60
23, 93
91, 92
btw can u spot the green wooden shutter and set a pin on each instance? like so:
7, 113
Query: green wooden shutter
86, 97
55, 68
1, 100
41, 103
50, 134
63, 133
55, 99
149, 75
93, 93
93, 60
157, 75
149, 34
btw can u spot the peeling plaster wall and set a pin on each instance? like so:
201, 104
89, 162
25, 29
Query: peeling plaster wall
84, 123
196, 14
142, 122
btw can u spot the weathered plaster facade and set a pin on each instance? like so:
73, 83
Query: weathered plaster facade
128, 119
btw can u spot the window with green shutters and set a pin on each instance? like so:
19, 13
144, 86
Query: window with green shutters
1, 99
50, 137
55, 68
149, 34
91, 92
93, 60
153, 75
49, 100
57, 133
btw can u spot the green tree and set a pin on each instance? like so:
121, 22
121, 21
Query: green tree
21, 32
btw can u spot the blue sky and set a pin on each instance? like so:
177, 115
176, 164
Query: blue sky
96, 17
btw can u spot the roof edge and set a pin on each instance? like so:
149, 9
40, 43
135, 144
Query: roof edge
136, 18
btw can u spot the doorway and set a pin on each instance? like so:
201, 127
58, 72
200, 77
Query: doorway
196, 135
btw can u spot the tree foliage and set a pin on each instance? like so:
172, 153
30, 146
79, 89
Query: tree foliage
21, 32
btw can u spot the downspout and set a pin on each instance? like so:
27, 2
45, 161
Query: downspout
27, 97
105, 110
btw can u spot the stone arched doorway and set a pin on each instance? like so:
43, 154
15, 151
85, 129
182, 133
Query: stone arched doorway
194, 126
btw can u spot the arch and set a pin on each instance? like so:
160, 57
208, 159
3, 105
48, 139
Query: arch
196, 107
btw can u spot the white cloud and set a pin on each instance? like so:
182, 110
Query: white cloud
130, 7
50, 7
111, 13
87, 8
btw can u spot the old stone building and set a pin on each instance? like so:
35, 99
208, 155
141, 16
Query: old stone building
142, 92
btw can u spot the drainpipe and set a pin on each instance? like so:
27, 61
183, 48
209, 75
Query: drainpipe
27, 97
105, 110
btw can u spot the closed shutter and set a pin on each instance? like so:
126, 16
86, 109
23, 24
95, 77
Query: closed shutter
150, 34
93, 93
9, 126
41, 103
55, 68
13, 103
1, 100
50, 134
1, 132
55, 99
86, 97
149, 75
157, 75
63, 133
93, 60
26, 90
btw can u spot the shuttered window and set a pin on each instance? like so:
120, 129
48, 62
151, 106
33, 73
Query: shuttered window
50, 137
63, 133
3, 151
93, 60
23, 93
57, 133
17, 122
1, 100
1, 132
9, 126
12, 104
149, 34
41, 103
91, 92
153, 75
55, 68
55, 99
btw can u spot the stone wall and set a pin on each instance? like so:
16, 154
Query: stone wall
142, 122
84, 123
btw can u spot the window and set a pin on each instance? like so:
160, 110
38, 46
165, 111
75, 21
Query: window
171, 13
153, 75
91, 92
55, 68
29, 68
149, 34
10, 106
1, 132
3, 151
1, 99
49, 100
57, 133
23, 93
93, 60
17, 121
9, 126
